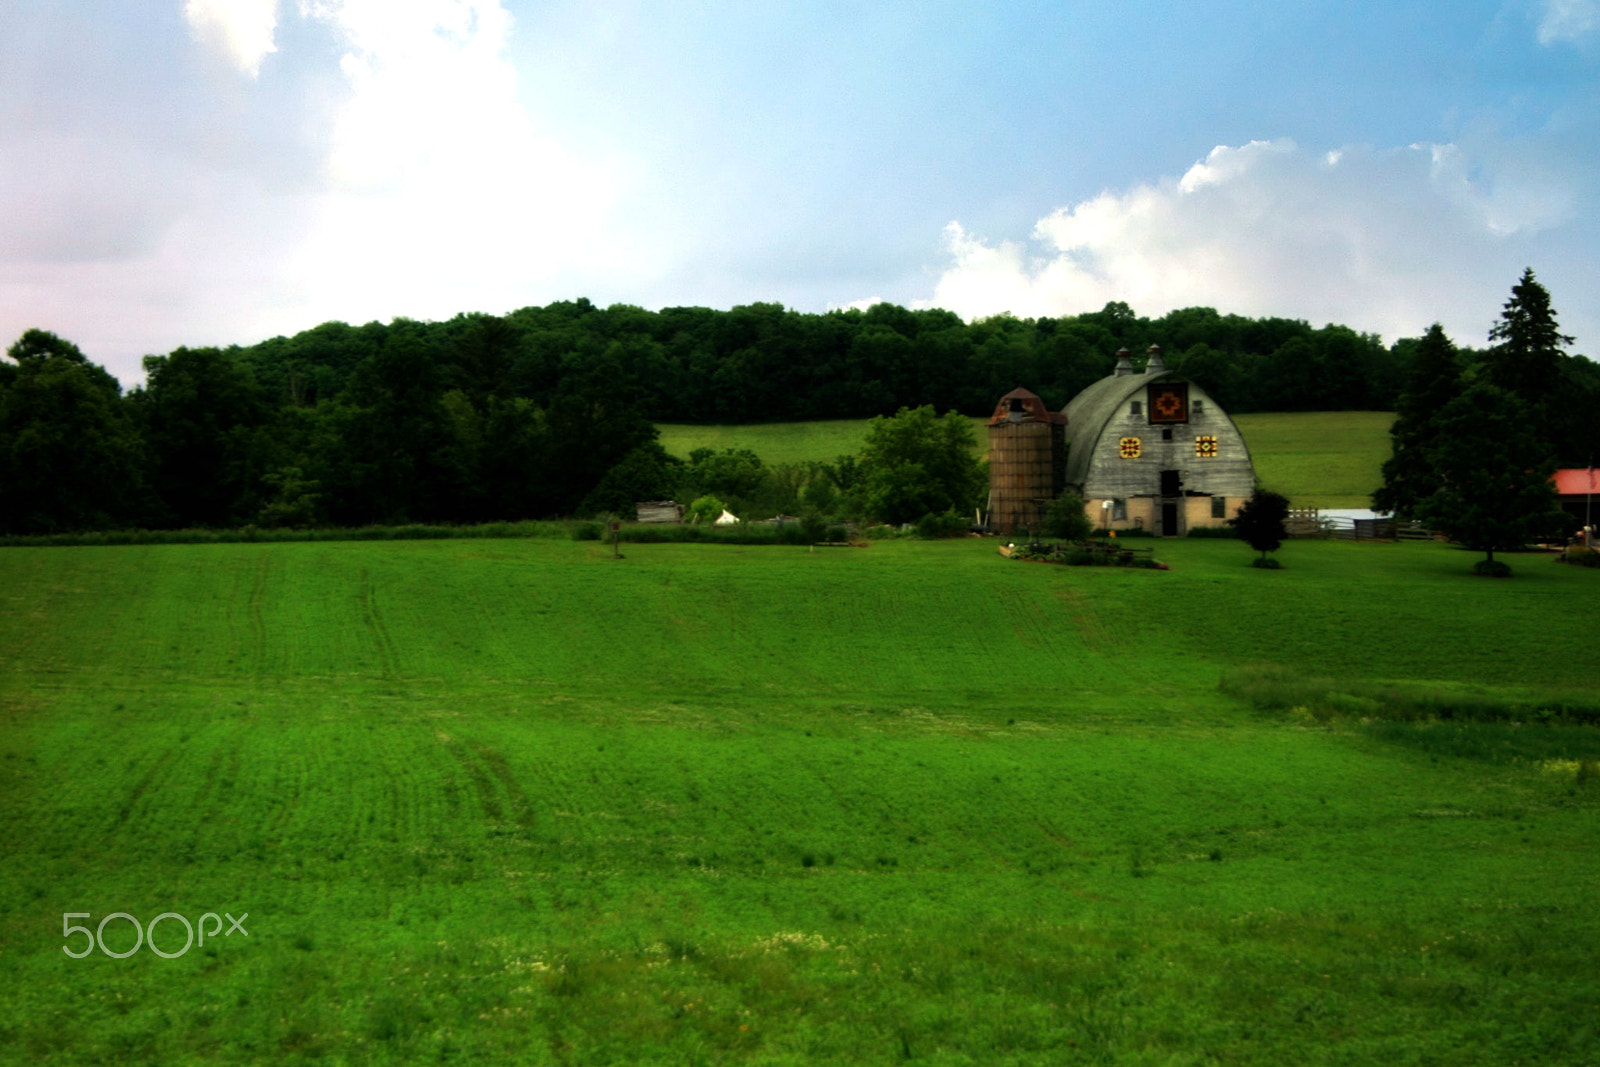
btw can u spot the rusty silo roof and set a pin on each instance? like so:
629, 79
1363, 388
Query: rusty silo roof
1030, 409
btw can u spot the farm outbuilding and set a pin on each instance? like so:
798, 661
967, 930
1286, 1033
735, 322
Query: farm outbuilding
1153, 451
1027, 461
1578, 488
659, 511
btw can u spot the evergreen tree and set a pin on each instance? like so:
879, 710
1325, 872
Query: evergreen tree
1526, 359
1408, 474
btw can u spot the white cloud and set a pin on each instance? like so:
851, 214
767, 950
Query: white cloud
1386, 241
242, 29
1567, 20
443, 195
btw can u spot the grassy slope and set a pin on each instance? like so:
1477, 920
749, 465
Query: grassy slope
1329, 459
1319, 459
724, 803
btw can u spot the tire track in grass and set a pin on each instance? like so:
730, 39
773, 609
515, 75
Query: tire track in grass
372, 618
142, 786
258, 626
482, 783
521, 810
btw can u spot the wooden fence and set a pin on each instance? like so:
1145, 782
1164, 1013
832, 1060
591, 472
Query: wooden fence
1309, 522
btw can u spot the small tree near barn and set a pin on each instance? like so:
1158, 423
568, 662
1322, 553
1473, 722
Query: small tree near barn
1066, 519
1495, 470
1260, 524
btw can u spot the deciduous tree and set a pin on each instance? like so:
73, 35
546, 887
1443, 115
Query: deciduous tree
1494, 468
916, 463
1260, 522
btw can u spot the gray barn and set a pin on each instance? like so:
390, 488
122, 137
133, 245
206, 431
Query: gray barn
1154, 451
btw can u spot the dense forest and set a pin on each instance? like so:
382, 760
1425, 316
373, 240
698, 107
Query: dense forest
533, 414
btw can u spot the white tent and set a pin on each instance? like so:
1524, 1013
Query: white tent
727, 518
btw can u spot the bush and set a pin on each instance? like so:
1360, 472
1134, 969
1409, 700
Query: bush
1583, 557
949, 524
1065, 519
705, 509
1266, 564
587, 531
1212, 531
1491, 568
813, 528
1260, 522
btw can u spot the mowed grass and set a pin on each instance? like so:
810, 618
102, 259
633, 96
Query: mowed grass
516, 799
1327, 459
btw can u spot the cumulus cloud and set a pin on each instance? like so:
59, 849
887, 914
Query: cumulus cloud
409, 179
1386, 241
242, 29
1567, 20
443, 195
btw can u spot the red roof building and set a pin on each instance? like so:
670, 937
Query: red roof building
1578, 481
1579, 492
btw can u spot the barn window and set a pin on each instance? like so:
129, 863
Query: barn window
1119, 510
1196, 407
1136, 408
1219, 507
1166, 435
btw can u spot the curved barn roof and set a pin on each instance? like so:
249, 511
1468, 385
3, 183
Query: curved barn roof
1089, 411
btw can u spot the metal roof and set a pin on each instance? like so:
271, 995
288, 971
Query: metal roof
1577, 481
1033, 409
1090, 410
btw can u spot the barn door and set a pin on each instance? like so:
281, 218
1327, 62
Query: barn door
1169, 520
1170, 483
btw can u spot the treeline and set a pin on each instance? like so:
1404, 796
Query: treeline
550, 411
765, 363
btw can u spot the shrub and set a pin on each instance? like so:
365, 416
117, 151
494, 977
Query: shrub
587, 531
706, 509
1065, 519
1266, 564
814, 528
1583, 557
1491, 568
949, 524
1212, 531
1260, 522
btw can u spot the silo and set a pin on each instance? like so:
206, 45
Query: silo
1027, 461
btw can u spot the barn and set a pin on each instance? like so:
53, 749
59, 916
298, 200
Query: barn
1153, 451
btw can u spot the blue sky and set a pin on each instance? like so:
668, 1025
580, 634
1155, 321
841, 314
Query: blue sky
218, 171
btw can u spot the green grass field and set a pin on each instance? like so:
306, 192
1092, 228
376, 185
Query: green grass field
1323, 459
709, 804
1329, 459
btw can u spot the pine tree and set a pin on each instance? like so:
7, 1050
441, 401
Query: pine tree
1526, 361
1408, 475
